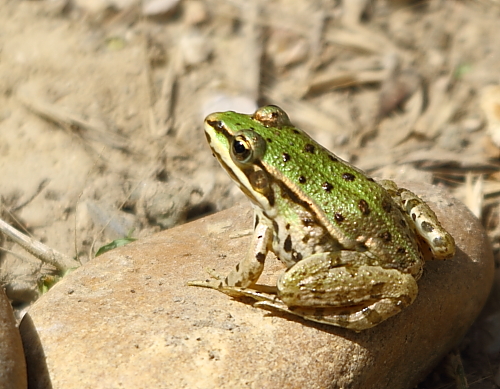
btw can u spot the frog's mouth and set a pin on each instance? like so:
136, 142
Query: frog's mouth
250, 175
253, 182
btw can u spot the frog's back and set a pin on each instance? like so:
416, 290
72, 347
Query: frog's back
292, 178
353, 207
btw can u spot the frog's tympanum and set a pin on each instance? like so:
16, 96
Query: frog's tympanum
353, 247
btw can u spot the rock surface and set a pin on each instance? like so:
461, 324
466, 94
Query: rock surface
127, 319
12, 363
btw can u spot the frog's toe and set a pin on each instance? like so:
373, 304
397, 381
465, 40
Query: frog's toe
211, 284
313, 314
214, 282
357, 320
273, 305
260, 294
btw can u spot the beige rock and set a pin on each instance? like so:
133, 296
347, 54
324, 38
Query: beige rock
128, 320
12, 363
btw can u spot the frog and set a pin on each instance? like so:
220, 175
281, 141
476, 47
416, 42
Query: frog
353, 248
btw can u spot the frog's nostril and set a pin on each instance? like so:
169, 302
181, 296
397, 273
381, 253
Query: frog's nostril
215, 124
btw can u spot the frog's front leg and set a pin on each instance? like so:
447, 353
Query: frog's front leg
247, 272
355, 297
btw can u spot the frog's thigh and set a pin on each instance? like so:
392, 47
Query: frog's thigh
314, 282
356, 299
357, 319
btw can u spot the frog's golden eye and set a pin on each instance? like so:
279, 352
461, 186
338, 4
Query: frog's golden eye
241, 149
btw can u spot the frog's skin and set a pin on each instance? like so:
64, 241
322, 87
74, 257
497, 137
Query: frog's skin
351, 245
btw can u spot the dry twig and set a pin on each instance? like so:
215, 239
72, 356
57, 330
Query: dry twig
39, 250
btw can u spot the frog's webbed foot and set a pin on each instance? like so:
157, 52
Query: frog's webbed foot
256, 292
354, 318
214, 282
211, 284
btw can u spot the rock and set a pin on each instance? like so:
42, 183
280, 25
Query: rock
12, 363
97, 7
195, 48
127, 319
195, 12
158, 7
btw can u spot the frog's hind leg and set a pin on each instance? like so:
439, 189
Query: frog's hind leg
356, 297
364, 318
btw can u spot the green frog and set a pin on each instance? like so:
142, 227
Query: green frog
353, 247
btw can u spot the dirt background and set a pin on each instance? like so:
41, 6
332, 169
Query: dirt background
102, 103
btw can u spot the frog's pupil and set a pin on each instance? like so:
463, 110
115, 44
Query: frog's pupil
240, 149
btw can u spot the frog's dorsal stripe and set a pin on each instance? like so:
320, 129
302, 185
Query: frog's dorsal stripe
266, 200
296, 195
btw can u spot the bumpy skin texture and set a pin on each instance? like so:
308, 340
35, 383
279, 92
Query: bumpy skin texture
351, 245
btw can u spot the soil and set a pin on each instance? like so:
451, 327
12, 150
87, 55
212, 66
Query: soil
102, 104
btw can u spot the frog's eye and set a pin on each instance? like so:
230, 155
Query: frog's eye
241, 149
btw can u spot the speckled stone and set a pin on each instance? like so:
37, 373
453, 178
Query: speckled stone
128, 320
12, 363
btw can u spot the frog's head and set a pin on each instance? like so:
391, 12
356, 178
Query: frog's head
240, 141
238, 132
